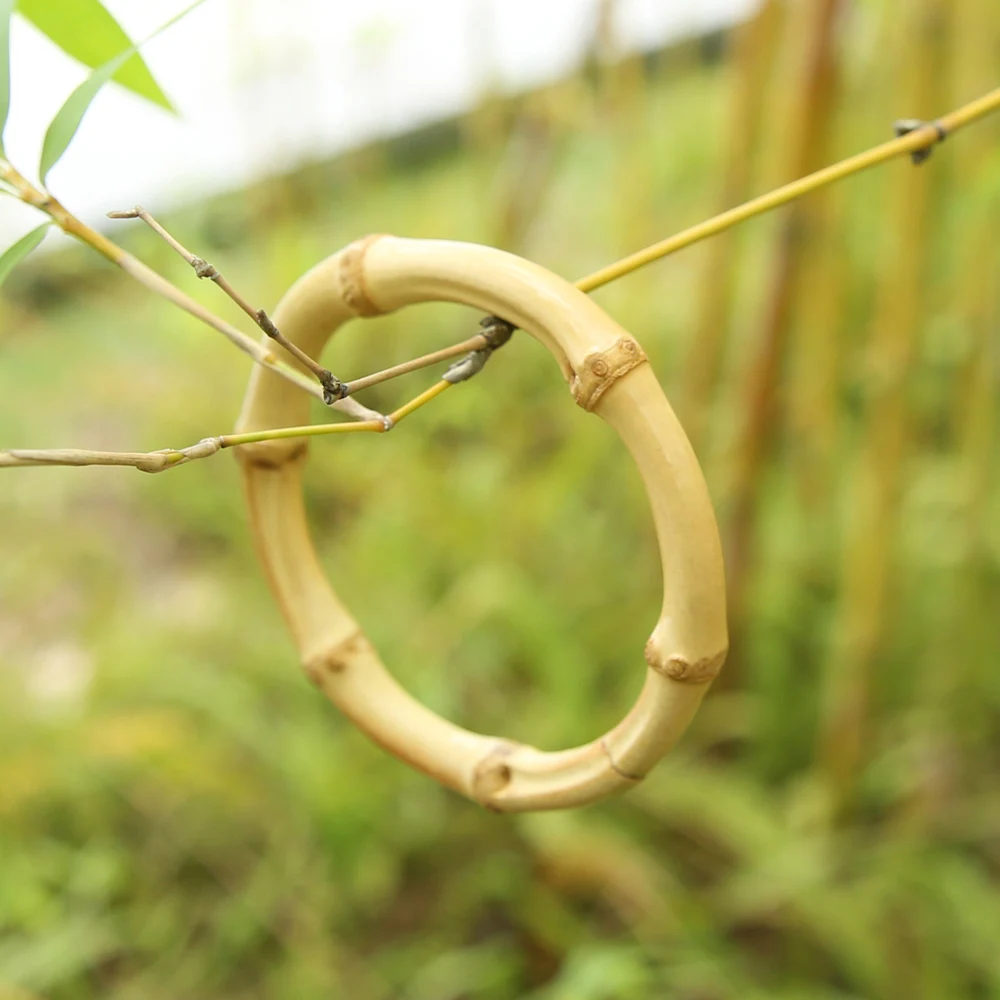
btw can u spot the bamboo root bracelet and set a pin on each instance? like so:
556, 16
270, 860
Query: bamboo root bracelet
609, 375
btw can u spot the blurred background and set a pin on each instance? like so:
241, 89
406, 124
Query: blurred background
183, 814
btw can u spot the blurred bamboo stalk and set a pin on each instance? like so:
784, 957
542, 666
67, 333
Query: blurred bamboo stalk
875, 491
526, 157
976, 46
814, 81
524, 175
755, 43
816, 360
622, 100
968, 603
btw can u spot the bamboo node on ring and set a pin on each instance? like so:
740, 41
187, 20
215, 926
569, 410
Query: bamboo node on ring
493, 774
337, 658
602, 369
614, 766
352, 277
680, 668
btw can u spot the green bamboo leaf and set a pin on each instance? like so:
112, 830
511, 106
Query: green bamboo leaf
6, 8
86, 31
15, 254
64, 126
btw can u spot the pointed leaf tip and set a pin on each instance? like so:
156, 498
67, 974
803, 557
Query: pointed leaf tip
64, 126
15, 254
86, 31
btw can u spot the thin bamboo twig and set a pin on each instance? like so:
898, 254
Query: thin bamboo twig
332, 386
478, 349
316, 430
920, 138
306, 430
133, 267
171, 458
151, 461
414, 404
474, 343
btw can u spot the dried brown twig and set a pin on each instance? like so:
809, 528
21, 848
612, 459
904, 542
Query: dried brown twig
333, 388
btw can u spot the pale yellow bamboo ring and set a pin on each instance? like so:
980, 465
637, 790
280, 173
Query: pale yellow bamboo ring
609, 375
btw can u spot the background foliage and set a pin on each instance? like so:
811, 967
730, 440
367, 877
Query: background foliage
181, 814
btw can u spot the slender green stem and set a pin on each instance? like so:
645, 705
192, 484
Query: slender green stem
918, 139
306, 430
414, 404
171, 458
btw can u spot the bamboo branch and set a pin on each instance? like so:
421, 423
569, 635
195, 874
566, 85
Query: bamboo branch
924, 137
920, 138
333, 388
414, 404
73, 226
474, 343
478, 349
171, 458
150, 461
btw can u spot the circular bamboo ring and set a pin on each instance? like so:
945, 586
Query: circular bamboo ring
609, 375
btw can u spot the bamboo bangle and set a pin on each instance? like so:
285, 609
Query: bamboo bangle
609, 375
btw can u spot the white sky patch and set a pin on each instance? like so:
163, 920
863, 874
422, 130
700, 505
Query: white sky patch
264, 85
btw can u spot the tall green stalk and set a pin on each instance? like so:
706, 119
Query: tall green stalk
969, 601
807, 127
755, 44
873, 508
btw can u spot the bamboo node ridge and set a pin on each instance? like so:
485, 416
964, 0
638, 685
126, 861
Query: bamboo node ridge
904, 126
